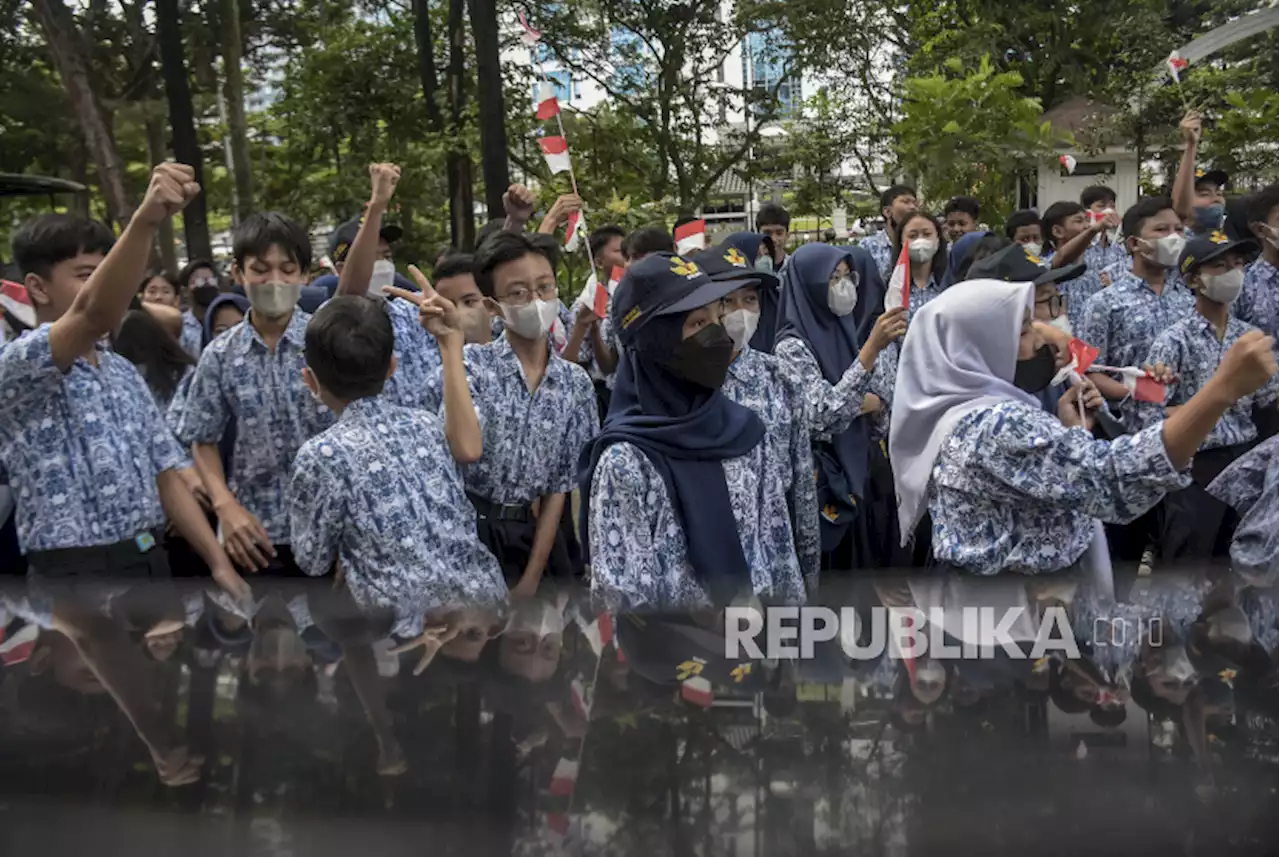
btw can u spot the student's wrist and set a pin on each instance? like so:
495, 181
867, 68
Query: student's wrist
377, 206
1218, 393
223, 504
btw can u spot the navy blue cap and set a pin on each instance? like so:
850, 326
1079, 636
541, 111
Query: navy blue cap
1218, 178
664, 284
727, 262
341, 239
1015, 264
1209, 246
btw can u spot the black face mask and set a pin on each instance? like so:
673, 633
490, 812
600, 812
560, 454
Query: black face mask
204, 294
703, 358
1035, 373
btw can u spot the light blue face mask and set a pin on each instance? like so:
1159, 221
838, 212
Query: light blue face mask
1209, 217
764, 263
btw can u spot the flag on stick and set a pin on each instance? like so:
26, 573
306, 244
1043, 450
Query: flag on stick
691, 236
530, 36
15, 299
574, 229
548, 106
1069, 162
1176, 65
556, 152
564, 778
898, 292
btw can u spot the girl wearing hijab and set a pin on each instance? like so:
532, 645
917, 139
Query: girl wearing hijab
680, 506
747, 256
830, 297
1009, 486
927, 251
958, 261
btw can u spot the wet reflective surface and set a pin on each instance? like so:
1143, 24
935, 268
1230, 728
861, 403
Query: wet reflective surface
152, 720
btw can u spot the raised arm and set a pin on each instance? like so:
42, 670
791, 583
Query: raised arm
1070, 253
357, 270
1184, 185
101, 304
517, 202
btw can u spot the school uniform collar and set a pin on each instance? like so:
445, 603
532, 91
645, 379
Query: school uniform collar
295, 333
1200, 324
370, 407
504, 353
741, 364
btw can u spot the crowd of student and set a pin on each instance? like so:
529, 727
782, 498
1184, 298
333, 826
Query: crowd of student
741, 421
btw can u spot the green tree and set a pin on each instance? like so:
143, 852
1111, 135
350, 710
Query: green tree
815, 147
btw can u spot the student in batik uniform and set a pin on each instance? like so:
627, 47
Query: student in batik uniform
1195, 525
896, 202
748, 256
252, 374
928, 256
682, 504
1068, 236
94, 469
536, 410
1257, 304
831, 296
1249, 486
1100, 201
379, 493
1009, 487
200, 279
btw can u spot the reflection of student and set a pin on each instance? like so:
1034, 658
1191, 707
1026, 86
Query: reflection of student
531, 645
1249, 485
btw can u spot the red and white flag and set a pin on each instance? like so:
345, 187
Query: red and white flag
564, 778
1069, 162
530, 36
898, 292
691, 236
548, 106
17, 645
698, 691
556, 152
574, 228
580, 700
600, 632
1176, 65
14, 298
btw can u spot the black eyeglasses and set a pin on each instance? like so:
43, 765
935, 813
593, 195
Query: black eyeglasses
1057, 303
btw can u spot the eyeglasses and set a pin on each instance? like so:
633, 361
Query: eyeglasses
1057, 303
519, 296
836, 277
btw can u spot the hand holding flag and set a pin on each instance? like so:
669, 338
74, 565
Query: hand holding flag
898, 292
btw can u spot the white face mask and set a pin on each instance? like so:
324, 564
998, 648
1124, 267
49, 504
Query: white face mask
1165, 251
1222, 288
1063, 323
533, 319
842, 296
1033, 248
1269, 235
741, 326
274, 299
384, 275
922, 249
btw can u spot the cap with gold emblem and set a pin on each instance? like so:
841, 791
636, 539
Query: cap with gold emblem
1016, 264
663, 284
1210, 246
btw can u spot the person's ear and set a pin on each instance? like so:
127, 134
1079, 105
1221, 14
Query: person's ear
494, 308
391, 369
309, 378
36, 288
237, 275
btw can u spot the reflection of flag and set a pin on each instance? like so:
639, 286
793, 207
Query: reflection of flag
1084, 354
16, 301
691, 236
562, 781
530, 36
898, 293
1069, 162
574, 228
548, 106
556, 152
1176, 64
17, 642
697, 690
580, 700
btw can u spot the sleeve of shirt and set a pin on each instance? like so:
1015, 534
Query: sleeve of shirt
584, 424
1167, 349
204, 417
410, 334
1096, 327
26, 368
1032, 453
885, 375
624, 568
173, 413
317, 508
803, 497
832, 408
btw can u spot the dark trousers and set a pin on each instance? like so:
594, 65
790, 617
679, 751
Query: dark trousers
603, 396
120, 561
508, 533
1193, 524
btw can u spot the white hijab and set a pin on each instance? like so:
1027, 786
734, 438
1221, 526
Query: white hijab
958, 356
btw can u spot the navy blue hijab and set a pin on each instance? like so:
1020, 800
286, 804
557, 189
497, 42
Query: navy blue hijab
834, 342
238, 301
685, 431
748, 244
963, 246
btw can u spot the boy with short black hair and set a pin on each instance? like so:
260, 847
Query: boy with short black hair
1198, 193
646, 242
775, 221
1023, 227
455, 281
378, 493
536, 409
1195, 525
960, 217
1067, 235
93, 467
897, 202
253, 373
1258, 304
1099, 201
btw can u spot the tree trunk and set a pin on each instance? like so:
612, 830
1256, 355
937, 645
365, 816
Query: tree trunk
186, 146
233, 98
493, 132
168, 253
427, 63
462, 206
72, 63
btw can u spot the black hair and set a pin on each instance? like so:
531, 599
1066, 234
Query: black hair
941, 257
349, 344
772, 214
490, 229
184, 276
965, 204
1054, 215
601, 237
164, 275
989, 245
893, 192
44, 241
1019, 219
1097, 193
145, 343
258, 232
445, 250
1260, 203
505, 247
1143, 210
1108, 718
651, 239
454, 265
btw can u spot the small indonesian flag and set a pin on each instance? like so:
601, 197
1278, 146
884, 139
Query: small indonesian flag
898, 292
600, 632
556, 152
574, 229
529, 36
697, 690
580, 700
1095, 216
564, 778
548, 106
1083, 354
1068, 162
1148, 389
558, 822
17, 643
691, 236
16, 301
1176, 65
